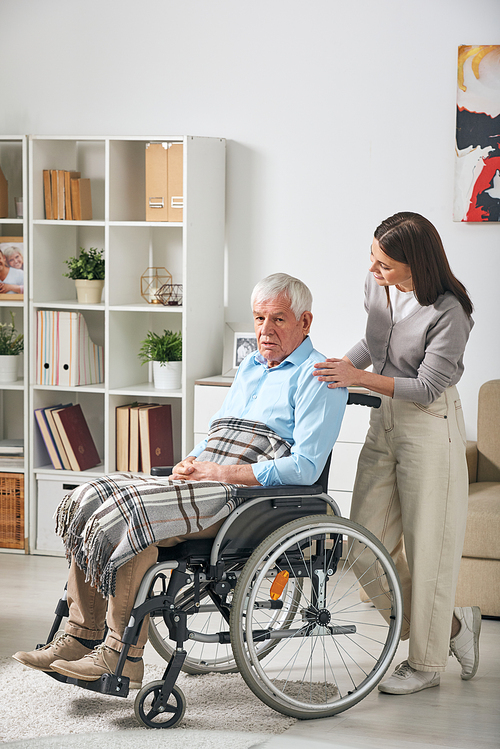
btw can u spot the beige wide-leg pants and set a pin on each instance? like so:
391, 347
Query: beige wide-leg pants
411, 491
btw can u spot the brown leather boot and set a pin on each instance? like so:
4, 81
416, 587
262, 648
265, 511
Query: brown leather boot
102, 660
63, 647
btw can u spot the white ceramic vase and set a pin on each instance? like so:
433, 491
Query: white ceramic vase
167, 375
8, 367
88, 292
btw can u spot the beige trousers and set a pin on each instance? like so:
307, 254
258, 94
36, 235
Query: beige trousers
411, 491
89, 612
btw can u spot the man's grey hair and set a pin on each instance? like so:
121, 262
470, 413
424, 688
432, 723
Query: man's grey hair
298, 294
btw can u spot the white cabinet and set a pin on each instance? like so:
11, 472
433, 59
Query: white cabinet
50, 491
191, 250
209, 396
14, 230
345, 455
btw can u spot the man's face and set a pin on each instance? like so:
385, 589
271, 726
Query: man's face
278, 331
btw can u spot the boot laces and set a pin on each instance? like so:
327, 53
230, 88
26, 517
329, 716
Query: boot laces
58, 639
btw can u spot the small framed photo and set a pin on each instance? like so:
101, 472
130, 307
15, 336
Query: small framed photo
12, 268
239, 341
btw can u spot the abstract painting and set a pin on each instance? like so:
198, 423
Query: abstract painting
477, 163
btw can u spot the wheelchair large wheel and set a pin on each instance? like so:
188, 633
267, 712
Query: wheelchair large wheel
336, 647
211, 655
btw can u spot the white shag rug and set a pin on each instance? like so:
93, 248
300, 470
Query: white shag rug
33, 705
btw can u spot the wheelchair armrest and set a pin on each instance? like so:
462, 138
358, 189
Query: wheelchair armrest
247, 492
161, 470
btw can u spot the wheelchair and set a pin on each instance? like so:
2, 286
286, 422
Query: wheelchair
274, 596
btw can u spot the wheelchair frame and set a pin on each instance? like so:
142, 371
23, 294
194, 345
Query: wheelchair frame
295, 532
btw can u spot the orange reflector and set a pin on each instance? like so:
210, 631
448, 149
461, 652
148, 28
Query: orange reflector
278, 585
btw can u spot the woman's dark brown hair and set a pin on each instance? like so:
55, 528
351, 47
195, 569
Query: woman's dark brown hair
411, 239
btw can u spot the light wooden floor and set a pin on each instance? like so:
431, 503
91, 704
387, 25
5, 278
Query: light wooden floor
458, 714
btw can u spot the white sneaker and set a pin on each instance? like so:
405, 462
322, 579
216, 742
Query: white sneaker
407, 680
465, 645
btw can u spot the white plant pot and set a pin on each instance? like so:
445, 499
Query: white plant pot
8, 367
167, 375
88, 292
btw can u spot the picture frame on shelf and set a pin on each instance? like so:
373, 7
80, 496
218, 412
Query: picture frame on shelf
12, 264
239, 341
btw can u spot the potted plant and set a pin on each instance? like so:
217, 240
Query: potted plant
165, 351
87, 271
11, 346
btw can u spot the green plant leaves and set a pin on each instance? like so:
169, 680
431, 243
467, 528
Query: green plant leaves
164, 348
11, 342
87, 266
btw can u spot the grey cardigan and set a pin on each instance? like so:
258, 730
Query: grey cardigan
423, 352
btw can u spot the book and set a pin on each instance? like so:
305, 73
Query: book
68, 176
135, 462
46, 432
54, 191
81, 200
76, 438
60, 194
4, 196
155, 429
49, 417
123, 436
47, 194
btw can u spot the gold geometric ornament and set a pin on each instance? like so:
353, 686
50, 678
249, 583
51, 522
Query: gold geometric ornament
151, 282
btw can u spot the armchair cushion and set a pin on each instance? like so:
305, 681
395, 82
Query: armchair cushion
482, 537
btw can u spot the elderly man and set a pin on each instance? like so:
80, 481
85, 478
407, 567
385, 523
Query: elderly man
276, 427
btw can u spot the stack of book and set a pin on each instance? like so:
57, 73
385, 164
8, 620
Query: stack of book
67, 437
143, 437
12, 449
67, 196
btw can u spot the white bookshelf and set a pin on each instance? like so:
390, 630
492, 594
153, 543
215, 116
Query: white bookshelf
192, 251
14, 414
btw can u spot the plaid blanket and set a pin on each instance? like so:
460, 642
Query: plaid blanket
105, 522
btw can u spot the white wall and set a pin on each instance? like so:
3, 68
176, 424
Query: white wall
337, 114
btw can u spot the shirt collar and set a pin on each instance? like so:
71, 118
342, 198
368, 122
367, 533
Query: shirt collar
296, 358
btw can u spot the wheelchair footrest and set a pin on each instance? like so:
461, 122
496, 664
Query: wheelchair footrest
117, 686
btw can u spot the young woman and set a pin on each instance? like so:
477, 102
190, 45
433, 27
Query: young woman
411, 487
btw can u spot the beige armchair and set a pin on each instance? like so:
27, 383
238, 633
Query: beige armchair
479, 577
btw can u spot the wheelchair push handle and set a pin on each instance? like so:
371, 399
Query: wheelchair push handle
361, 399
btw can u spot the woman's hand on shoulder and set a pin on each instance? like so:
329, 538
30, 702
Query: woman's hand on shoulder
337, 372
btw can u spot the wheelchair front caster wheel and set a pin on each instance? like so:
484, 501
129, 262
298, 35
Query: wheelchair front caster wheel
153, 712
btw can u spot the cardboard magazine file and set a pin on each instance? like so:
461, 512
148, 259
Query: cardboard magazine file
164, 182
175, 189
65, 354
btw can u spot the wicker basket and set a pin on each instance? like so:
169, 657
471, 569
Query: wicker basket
12, 510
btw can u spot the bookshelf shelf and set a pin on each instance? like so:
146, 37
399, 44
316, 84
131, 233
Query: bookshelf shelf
70, 304
154, 308
146, 389
6, 303
192, 250
149, 224
14, 410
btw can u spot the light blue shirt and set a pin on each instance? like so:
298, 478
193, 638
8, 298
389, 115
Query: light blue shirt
295, 405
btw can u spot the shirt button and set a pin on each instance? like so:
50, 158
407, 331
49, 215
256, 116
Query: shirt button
254, 397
